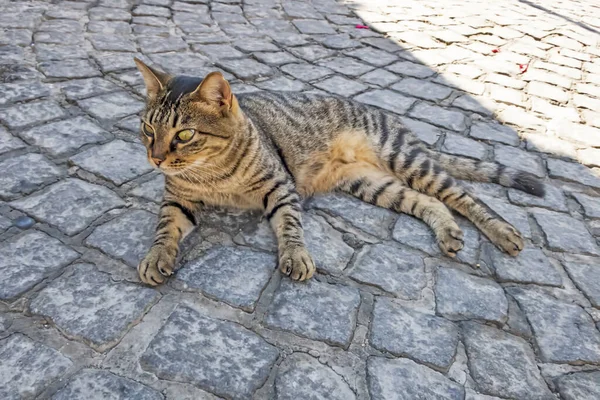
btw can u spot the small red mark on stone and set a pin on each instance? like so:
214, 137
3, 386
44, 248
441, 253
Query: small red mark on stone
523, 68
495, 51
361, 26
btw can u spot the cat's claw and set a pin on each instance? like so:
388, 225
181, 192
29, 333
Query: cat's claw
157, 265
296, 263
451, 241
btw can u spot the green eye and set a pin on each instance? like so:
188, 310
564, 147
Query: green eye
147, 129
185, 135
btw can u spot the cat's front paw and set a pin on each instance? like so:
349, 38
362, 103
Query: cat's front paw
297, 263
157, 265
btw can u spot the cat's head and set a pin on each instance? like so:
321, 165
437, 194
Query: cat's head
187, 121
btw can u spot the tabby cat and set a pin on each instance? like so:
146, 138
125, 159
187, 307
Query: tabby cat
269, 150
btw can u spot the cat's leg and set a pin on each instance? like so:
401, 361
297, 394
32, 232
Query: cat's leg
415, 167
176, 220
283, 210
385, 190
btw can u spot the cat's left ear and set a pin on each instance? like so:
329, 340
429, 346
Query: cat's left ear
215, 90
154, 79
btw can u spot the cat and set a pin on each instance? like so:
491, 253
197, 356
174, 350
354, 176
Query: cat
269, 150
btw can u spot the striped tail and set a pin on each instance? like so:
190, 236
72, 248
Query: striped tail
483, 171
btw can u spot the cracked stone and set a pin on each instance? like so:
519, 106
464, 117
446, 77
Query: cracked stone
406, 333
25, 174
245, 68
452, 120
380, 77
591, 205
564, 233
68, 69
127, 237
564, 332
219, 356
300, 376
28, 259
341, 86
117, 161
63, 137
462, 146
71, 205
151, 190
330, 253
80, 89
519, 159
579, 386
91, 384
282, 84
494, 132
234, 275
411, 69
379, 58
461, 296
553, 199
502, 364
113, 43
311, 27
22, 91
305, 72
159, 44
89, 305
347, 66
9, 142
572, 172
403, 379
386, 99
28, 367
315, 310
22, 115
392, 269
111, 106
531, 266
371, 219
422, 89
585, 273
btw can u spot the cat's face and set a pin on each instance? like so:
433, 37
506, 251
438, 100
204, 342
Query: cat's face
188, 122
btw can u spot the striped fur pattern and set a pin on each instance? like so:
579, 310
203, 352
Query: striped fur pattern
268, 151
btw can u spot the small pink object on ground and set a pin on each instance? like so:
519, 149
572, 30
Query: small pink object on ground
362, 26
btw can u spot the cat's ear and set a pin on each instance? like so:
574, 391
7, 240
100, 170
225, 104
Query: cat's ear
154, 79
215, 90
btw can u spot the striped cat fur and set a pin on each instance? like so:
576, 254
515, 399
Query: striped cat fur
268, 151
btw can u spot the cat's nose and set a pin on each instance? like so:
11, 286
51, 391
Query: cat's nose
157, 161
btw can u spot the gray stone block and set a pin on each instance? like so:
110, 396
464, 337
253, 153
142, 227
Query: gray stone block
219, 356
27, 259
71, 205
23, 115
27, 367
302, 377
234, 275
392, 269
127, 237
26, 173
316, 310
564, 233
117, 161
564, 332
91, 384
580, 386
460, 296
502, 364
90, 306
402, 379
422, 337
584, 271
530, 266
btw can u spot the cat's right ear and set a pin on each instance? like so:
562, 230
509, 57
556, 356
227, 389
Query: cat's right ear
154, 79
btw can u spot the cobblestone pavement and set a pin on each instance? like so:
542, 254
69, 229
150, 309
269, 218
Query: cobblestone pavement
387, 317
